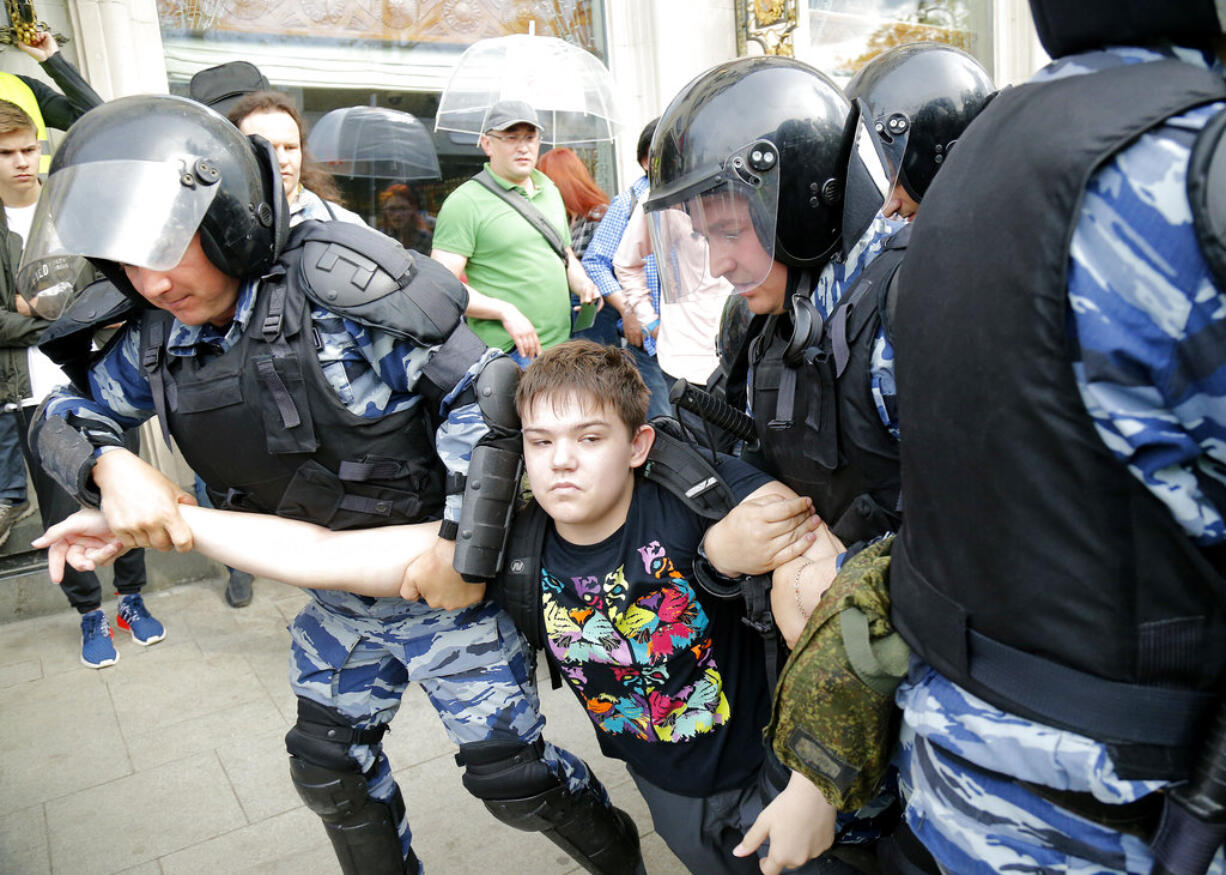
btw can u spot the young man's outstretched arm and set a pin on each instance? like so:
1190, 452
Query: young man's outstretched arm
368, 562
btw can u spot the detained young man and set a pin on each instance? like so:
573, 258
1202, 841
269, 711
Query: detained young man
671, 678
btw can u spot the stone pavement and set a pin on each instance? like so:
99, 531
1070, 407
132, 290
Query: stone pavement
172, 760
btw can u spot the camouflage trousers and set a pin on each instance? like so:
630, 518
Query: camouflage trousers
472, 664
978, 819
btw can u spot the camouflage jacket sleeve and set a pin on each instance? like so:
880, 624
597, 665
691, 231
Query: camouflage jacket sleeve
1147, 323
119, 399
459, 433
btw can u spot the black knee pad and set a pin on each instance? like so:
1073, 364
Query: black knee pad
322, 736
505, 768
521, 790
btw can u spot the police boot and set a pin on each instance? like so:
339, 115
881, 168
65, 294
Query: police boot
520, 789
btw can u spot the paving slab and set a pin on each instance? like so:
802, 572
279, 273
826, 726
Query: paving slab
24, 845
258, 769
58, 735
290, 842
142, 817
173, 760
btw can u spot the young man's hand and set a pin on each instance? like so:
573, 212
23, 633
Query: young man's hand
799, 824
83, 540
432, 578
761, 533
41, 47
140, 504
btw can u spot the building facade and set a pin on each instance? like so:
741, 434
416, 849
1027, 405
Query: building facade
400, 53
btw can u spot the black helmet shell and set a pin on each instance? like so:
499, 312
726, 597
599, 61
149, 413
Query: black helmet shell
1066, 27
242, 231
936, 90
780, 100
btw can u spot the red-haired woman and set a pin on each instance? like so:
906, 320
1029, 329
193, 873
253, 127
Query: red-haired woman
586, 204
585, 201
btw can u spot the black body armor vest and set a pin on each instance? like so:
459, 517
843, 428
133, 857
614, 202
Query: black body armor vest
1034, 569
818, 426
262, 426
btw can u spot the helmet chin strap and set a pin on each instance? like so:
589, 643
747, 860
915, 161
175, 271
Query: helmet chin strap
807, 323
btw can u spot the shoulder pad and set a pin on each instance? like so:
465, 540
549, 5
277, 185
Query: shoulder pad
1207, 195
366, 276
68, 341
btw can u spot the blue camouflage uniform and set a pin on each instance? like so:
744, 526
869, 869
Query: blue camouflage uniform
349, 652
1138, 287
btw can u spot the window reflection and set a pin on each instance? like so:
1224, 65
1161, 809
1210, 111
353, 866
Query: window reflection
844, 35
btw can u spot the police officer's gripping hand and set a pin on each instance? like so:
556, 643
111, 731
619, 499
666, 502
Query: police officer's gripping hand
762, 532
432, 578
140, 504
800, 826
83, 540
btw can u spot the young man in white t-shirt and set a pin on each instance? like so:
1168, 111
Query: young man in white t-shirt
20, 188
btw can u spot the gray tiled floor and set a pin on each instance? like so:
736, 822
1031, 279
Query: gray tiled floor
172, 761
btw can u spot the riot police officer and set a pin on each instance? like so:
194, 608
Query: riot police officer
324, 376
1060, 570
921, 97
751, 159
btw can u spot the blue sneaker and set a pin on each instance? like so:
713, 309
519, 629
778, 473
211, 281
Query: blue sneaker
135, 618
97, 650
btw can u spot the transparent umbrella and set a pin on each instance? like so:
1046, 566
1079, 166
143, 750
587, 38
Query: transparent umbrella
571, 90
373, 142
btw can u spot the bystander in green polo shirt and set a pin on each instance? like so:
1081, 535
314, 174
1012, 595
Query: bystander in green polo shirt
508, 259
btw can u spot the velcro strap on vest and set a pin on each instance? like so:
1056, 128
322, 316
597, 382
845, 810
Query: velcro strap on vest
1094, 706
456, 483
785, 403
360, 472
369, 506
275, 315
276, 387
151, 363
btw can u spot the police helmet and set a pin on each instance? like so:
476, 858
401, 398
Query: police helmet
921, 97
768, 135
136, 178
1067, 28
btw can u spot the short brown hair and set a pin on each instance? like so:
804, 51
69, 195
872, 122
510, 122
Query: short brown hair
14, 118
605, 375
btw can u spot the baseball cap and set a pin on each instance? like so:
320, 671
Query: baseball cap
509, 113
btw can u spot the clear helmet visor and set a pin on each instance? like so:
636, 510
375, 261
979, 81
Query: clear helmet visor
52, 284
720, 234
142, 213
881, 151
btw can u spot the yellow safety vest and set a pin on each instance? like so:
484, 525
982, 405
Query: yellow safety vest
15, 91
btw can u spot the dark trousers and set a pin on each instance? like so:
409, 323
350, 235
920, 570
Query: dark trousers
12, 468
83, 589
